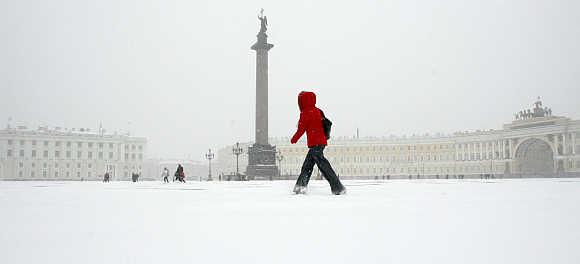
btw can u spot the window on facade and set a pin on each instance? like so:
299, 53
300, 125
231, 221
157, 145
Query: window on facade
56, 165
100, 145
10, 142
100, 155
110, 155
126, 156
33, 164
44, 174
32, 174
90, 155
132, 147
33, 154
21, 153
20, 164
57, 143
68, 174
140, 156
33, 142
68, 155
46, 143
68, 144
90, 165
133, 156
90, 144
78, 165
79, 154
57, 154
68, 165
20, 174
89, 174
78, 174
56, 174
110, 145
21, 142
44, 165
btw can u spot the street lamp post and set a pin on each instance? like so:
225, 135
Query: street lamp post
237, 150
279, 157
209, 156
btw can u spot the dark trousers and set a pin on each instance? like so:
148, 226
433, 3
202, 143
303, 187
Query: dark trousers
316, 156
165, 179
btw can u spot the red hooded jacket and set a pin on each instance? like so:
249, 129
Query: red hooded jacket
310, 121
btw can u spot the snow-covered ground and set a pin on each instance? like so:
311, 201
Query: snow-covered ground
417, 221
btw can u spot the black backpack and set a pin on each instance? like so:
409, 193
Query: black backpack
326, 125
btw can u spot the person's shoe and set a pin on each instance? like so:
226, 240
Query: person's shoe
300, 189
339, 192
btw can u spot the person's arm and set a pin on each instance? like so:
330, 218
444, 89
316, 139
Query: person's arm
300, 131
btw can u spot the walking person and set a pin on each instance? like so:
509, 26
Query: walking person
311, 123
165, 175
180, 174
106, 177
176, 174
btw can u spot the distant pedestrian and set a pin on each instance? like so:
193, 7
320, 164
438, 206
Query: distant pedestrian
180, 174
106, 177
135, 177
317, 128
165, 175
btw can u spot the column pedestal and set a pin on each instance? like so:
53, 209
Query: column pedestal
262, 162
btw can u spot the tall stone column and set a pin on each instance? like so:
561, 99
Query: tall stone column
262, 155
564, 144
262, 48
557, 144
511, 145
573, 135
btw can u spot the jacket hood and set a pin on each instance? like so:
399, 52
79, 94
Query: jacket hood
306, 100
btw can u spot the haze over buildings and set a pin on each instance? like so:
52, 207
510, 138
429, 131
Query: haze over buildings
182, 73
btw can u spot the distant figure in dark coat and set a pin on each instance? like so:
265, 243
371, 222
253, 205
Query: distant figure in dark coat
106, 177
135, 177
179, 173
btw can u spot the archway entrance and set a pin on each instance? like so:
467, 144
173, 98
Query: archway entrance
534, 158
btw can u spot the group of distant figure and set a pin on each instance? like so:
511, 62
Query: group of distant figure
179, 175
528, 114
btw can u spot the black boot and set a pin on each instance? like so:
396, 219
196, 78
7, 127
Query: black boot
338, 189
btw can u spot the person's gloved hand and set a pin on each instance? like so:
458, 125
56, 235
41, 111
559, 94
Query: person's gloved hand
293, 140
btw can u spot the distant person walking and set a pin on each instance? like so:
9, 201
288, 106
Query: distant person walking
165, 175
135, 177
180, 174
311, 122
106, 177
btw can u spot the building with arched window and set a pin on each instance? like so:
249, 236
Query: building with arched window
535, 144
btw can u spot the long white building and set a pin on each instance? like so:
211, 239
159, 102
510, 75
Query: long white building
76, 154
535, 144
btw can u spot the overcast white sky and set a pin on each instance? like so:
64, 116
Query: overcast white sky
183, 74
